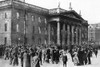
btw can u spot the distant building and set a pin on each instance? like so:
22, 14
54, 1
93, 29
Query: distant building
23, 23
94, 34
91, 34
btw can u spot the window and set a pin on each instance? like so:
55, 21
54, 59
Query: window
91, 30
45, 41
39, 19
39, 41
33, 29
52, 32
91, 34
39, 30
26, 17
45, 30
5, 15
6, 27
85, 35
24, 27
32, 18
33, 38
82, 35
17, 15
17, 28
91, 39
5, 40
45, 20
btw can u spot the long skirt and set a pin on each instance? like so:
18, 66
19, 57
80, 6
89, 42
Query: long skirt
26, 62
75, 59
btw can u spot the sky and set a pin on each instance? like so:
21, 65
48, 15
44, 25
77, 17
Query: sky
90, 9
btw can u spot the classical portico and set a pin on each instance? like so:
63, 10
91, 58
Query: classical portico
68, 26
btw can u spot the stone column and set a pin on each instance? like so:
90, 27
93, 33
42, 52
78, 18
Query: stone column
49, 30
87, 34
68, 36
79, 36
76, 36
58, 33
63, 35
72, 31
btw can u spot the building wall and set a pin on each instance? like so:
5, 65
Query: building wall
91, 34
25, 18
5, 18
94, 33
33, 22
97, 35
17, 34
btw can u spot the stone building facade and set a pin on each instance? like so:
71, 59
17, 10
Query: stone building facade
94, 34
23, 23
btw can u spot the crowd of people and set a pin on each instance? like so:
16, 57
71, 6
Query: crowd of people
35, 56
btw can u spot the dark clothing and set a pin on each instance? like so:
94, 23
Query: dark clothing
15, 59
85, 57
38, 64
89, 56
22, 58
71, 53
65, 59
53, 55
11, 57
40, 56
80, 57
89, 60
29, 60
96, 52
57, 56
48, 55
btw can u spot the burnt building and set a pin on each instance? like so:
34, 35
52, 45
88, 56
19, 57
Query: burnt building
23, 23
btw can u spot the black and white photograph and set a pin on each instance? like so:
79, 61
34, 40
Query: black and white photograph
49, 33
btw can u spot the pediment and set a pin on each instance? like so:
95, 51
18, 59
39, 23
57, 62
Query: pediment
73, 14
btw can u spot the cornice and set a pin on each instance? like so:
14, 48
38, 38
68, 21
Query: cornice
24, 6
39, 10
29, 7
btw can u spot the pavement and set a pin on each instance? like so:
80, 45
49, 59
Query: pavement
95, 63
